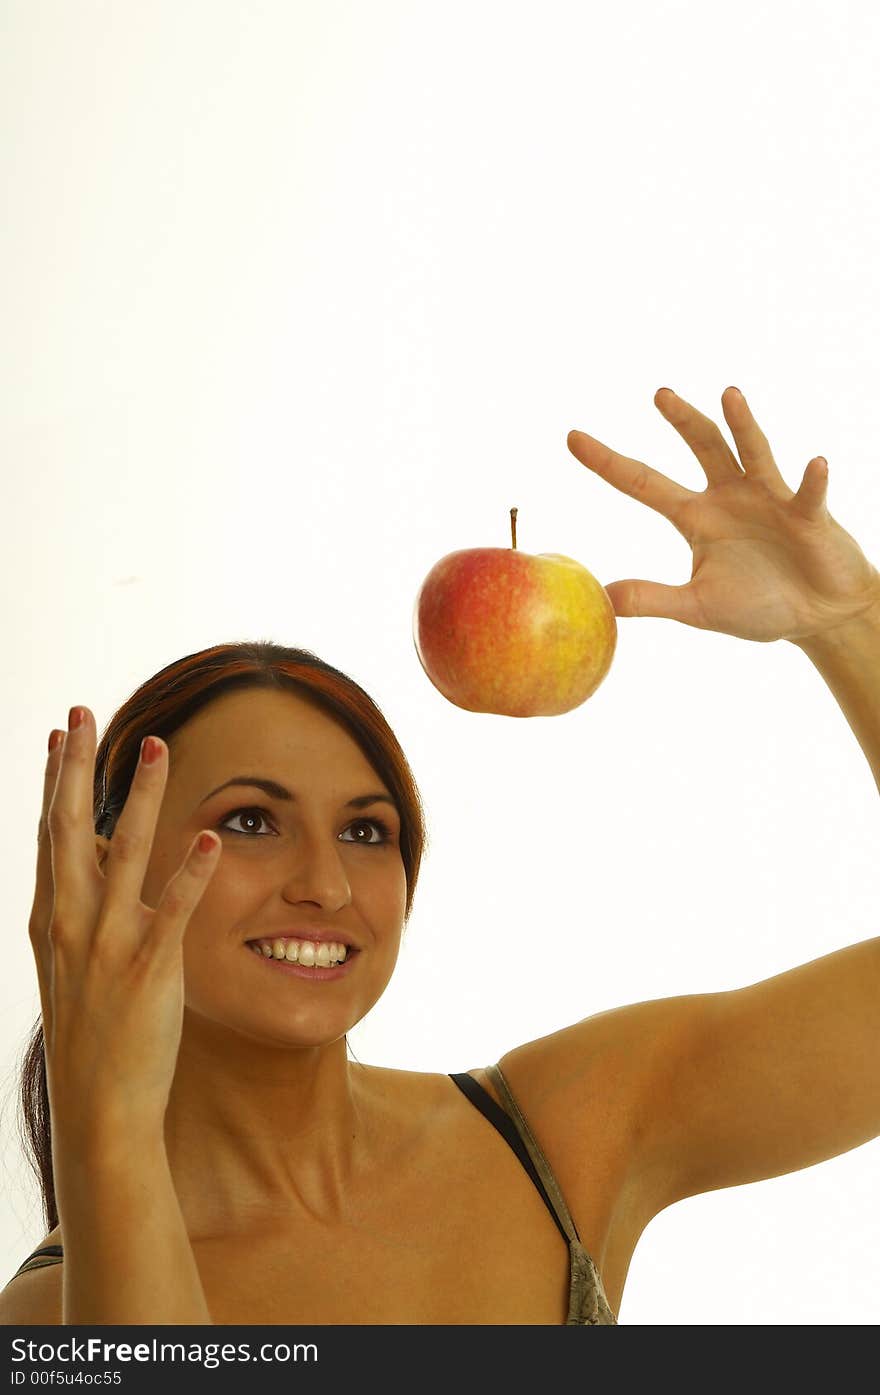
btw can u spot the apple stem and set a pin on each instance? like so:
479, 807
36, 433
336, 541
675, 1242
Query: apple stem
513, 514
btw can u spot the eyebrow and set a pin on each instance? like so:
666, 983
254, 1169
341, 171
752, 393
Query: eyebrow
276, 791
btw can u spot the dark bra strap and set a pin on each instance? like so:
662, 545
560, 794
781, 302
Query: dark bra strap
47, 1250
492, 1111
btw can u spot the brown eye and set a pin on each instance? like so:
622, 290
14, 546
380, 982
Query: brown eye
249, 812
385, 834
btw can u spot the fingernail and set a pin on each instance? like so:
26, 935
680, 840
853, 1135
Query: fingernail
75, 718
55, 739
150, 750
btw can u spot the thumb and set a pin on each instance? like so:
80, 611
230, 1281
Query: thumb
651, 598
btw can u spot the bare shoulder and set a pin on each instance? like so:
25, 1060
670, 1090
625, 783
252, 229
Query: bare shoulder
34, 1298
411, 1104
595, 1095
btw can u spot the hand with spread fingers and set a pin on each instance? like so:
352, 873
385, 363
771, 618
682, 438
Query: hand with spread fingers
768, 562
110, 969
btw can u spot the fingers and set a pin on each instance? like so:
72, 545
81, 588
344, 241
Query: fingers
70, 821
705, 439
183, 893
752, 444
632, 477
41, 909
702, 435
129, 856
132, 841
812, 495
72, 894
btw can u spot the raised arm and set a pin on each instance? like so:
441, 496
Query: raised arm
784, 1073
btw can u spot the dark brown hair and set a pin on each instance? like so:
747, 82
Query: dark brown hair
159, 707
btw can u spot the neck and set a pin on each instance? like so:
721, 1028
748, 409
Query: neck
260, 1134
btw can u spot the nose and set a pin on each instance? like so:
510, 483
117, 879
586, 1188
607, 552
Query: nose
317, 874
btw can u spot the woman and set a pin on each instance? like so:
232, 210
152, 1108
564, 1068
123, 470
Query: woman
217, 1158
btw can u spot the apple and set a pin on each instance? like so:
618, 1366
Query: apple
502, 631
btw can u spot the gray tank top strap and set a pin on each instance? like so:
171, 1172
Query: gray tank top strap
535, 1152
587, 1303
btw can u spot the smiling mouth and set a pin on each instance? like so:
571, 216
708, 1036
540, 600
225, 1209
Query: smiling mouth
303, 951
319, 972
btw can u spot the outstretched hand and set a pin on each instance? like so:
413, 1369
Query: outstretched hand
768, 562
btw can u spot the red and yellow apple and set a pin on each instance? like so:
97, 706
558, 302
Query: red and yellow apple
515, 634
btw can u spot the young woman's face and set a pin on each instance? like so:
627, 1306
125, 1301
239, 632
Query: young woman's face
286, 865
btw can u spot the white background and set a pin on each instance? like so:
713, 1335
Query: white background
298, 298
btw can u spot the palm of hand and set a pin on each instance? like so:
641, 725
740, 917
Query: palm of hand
763, 570
768, 562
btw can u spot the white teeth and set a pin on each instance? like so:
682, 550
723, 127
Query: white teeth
305, 952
